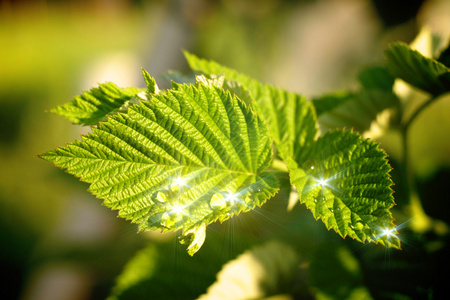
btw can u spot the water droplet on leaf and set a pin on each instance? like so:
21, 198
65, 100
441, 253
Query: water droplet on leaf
217, 201
161, 197
168, 219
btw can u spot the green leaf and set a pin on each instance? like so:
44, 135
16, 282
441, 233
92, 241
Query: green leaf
292, 123
140, 268
265, 270
92, 106
194, 238
416, 69
328, 102
182, 160
290, 118
353, 110
376, 77
152, 88
346, 183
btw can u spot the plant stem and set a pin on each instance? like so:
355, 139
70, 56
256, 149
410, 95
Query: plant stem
422, 221
424, 105
404, 131
408, 179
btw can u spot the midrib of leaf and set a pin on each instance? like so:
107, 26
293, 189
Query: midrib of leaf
188, 127
149, 144
96, 159
142, 188
221, 136
185, 151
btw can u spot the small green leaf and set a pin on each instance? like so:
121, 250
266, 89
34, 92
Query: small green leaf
140, 268
161, 163
416, 69
195, 238
152, 88
376, 77
354, 110
328, 102
346, 184
290, 118
92, 106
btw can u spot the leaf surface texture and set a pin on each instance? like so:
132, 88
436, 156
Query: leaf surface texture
346, 183
92, 106
290, 118
183, 159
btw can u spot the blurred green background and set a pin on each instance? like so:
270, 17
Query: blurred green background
57, 241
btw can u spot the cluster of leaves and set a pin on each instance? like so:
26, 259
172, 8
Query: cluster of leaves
208, 150
194, 154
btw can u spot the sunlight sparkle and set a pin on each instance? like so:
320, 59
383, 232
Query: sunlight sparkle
322, 182
178, 209
231, 198
179, 181
388, 232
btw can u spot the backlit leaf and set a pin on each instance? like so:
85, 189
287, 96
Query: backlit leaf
181, 160
361, 209
92, 106
416, 69
346, 183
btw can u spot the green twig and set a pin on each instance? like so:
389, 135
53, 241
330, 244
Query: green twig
408, 176
424, 105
